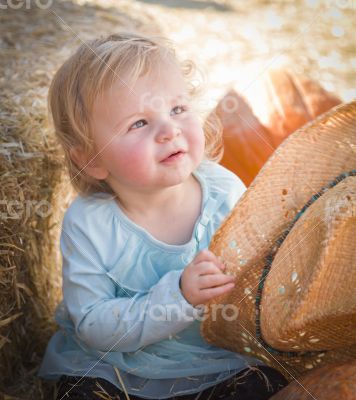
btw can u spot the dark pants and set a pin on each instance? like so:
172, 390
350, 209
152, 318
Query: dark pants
258, 383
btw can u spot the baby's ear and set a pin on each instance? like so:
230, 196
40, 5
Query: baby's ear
89, 164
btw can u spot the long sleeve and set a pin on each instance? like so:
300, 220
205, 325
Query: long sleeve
106, 259
109, 323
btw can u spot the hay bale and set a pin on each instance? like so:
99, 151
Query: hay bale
34, 188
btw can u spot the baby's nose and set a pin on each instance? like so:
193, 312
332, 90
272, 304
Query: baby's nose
168, 131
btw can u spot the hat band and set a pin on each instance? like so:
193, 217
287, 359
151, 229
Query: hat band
268, 263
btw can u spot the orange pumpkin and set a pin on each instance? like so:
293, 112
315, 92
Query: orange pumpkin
292, 101
328, 383
247, 143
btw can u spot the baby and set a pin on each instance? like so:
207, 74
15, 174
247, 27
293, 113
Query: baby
136, 268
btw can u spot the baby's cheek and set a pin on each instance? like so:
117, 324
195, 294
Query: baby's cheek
197, 138
136, 161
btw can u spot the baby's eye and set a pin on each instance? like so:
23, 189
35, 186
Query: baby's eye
180, 109
138, 124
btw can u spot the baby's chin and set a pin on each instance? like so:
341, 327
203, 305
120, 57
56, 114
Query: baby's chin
176, 177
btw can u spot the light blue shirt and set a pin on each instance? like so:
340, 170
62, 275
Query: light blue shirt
122, 309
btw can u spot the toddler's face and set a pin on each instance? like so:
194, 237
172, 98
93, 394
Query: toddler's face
135, 131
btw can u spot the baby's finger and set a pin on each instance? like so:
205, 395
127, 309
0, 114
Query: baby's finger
210, 293
221, 265
210, 281
206, 255
207, 267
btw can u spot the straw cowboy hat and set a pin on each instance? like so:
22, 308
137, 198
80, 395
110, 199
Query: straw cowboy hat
329, 382
290, 242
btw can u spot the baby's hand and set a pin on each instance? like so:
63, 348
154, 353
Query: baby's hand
203, 279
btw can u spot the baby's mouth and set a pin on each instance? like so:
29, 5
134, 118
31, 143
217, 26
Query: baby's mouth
175, 155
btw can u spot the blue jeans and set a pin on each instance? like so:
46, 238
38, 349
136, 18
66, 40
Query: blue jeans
248, 384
